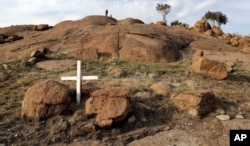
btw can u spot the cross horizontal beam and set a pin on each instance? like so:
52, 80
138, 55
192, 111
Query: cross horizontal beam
74, 78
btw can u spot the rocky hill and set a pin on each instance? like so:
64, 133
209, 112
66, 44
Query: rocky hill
158, 85
96, 37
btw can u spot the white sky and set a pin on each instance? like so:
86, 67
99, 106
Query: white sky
15, 12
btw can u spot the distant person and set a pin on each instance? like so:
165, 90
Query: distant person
106, 12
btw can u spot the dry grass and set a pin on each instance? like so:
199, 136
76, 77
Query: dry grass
140, 76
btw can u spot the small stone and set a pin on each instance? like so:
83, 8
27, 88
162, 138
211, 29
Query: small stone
6, 66
88, 127
167, 128
193, 112
191, 84
143, 107
220, 111
144, 119
152, 76
239, 117
32, 60
115, 131
36, 54
223, 117
132, 119
142, 95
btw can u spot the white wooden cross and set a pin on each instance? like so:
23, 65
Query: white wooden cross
78, 79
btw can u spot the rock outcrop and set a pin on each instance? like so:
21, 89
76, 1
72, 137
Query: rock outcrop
202, 26
44, 100
109, 106
95, 37
41, 27
130, 21
5, 38
217, 31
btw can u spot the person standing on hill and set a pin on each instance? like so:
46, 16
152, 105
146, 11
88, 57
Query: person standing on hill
106, 12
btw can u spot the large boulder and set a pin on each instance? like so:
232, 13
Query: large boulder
195, 103
109, 106
201, 26
207, 67
44, 100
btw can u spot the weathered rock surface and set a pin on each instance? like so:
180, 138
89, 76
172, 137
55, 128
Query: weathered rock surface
246, 50
56, 64
195, 103
95, 37
45, 99
212, 45
130, 21
217, 31
236, 124
109, 106
160, 23
41, 27
207, 67
5, 38
201, 26
162, 89
168, 138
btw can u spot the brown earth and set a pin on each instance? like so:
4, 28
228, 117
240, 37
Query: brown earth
141, 50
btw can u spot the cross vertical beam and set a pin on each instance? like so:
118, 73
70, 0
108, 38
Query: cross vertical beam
78, 82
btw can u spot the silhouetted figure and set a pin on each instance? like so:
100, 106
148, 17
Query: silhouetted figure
106, 12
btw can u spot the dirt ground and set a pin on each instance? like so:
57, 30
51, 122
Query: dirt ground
232, 96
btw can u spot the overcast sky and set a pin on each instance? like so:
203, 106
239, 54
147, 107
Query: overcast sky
15, 12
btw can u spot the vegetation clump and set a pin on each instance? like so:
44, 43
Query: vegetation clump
215, 18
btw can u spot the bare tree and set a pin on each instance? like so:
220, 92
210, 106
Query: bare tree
164, 9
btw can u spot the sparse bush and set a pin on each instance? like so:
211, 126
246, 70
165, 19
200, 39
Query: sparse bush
215, 17
176, 22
